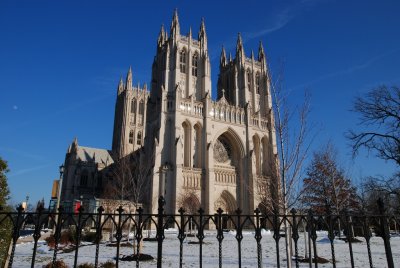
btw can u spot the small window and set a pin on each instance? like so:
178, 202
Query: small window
182, 61
141, 112
84, 179
133, 106
194, 65
99, 181
248, 80
139, 138
258, 83
131, 137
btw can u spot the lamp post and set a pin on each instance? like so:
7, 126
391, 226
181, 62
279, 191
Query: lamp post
59, 194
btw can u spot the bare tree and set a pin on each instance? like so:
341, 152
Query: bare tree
119, 188
379, 112
130, 184
294, 138
380, 187
189, 201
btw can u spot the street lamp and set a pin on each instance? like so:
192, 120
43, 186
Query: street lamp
59, 193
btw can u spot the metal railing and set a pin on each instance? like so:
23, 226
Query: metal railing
352, 224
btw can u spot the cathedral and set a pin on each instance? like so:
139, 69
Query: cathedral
185, 146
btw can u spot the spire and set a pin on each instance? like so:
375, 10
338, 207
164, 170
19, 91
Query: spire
261, 54
252, 55
190, 32
120, 86
202, 35
239, 48
74, 147
230, 56
129, 79
161, 36
175, 28
261, 57
239, 43
222, 60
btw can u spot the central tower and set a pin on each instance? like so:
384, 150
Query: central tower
203, 153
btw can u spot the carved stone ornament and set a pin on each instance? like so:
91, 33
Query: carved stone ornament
222, 151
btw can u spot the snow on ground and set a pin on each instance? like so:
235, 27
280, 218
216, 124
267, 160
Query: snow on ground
23, 252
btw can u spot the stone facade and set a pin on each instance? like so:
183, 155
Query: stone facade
200, 152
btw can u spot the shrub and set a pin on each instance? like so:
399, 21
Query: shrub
67, 237
57, 264
107, 264
89, 237
6, 230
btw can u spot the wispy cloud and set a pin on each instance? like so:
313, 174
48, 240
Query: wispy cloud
275, 22
28, 170
21, 153
349, 70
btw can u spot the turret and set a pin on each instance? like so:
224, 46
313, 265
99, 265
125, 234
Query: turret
175, 28
202, 36
261, 55
120, 86
222, 60
239, 49
129, 79
161, 36
74, 148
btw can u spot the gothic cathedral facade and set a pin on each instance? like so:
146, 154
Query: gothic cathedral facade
200, 152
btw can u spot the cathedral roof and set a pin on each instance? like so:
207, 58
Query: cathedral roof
96, 155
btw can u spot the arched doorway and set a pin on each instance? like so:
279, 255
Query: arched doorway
228, 152
228, 204
191, 204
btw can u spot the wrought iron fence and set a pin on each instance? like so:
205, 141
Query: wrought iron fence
345, 227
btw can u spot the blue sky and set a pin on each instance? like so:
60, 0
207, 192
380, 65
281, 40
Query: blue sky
60, 62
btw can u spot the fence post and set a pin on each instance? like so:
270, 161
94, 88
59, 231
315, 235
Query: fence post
258, 237
17, 227
139, 234
36, 235
98, 235
385, 233
181, 235
313, 236
118, 235
220, 236
78, 235
295, 236
57, 233
160, 230
200, 234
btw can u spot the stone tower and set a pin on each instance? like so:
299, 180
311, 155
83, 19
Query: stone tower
206, 153
130, 117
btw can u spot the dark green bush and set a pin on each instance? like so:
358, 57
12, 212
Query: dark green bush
107, 264
57, 264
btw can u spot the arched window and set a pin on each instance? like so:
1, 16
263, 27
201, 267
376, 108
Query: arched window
84, 178
186, 144
248, 80
194, 65
133, 106
141, 112
139, 138
258, 83
182, 61
131, 137
197, 146
256, 151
